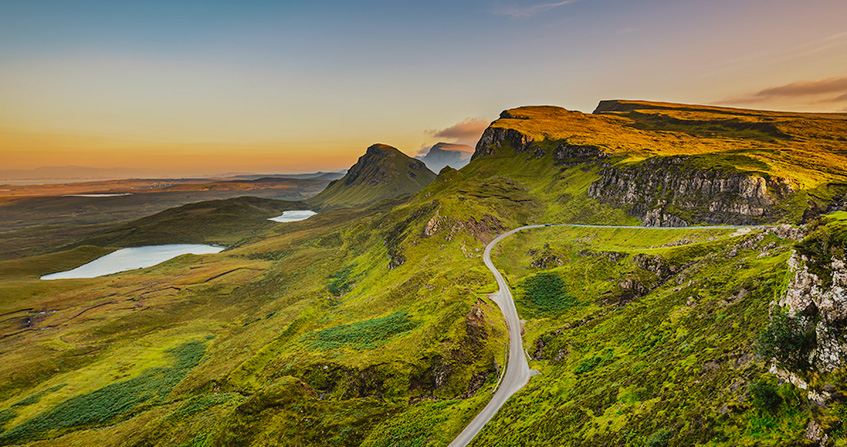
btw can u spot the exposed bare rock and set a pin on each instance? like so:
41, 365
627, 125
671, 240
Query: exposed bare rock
432, 225
545, 258
676, 191
825, 303
815, 433
568, 154
496, 137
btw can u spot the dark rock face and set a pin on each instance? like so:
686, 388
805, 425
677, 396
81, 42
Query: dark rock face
573, 154
673, 191
496, 137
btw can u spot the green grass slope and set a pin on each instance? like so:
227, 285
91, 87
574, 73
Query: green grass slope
226, 222
370, 325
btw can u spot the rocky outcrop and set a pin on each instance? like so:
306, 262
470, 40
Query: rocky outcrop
496, 137
822, 302
675, 191
568, 154
545, 258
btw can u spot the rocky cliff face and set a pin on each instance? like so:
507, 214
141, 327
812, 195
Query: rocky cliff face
496, 137
675, 191
822, 302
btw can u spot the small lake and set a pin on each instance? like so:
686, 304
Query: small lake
293, 216
110, 194
133, 258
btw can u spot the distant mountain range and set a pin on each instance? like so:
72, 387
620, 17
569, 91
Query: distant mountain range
446, 154
71, 174
50, 174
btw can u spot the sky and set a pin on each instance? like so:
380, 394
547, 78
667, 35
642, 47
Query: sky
212, 87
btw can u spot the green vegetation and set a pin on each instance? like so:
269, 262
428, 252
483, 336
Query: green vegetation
383, 173
547, 292
672, 365
765, 396
225, 222
114, 400
202, 403
366, 334
788, 339
341, 281
370, 325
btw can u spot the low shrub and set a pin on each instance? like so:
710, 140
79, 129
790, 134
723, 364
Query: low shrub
765, 396
366, 334
547, 292
787, 339
114, 400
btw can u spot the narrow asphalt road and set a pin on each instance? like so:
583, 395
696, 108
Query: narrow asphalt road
517, 368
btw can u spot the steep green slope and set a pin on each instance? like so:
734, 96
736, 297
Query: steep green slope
382, 173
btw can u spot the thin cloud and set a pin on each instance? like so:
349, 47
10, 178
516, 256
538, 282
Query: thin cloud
526, 11
835, 90
806, 88
465, 132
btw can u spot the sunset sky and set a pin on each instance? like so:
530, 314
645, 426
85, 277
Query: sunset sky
204, 87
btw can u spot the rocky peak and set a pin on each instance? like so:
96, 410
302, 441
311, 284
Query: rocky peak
381, 162
383, 172
381, 150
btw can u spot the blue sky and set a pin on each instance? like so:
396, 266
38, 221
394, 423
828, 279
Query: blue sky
321, 80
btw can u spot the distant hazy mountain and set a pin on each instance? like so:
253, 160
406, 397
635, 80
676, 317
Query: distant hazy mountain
71, 173
446, 154
333, 175
382, 173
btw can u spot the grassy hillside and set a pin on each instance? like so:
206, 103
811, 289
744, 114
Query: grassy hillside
368, 324
225, 222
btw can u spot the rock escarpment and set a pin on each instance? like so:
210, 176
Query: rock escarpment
674, 191
822, 304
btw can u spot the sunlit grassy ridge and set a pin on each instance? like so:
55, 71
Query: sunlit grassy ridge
807, 149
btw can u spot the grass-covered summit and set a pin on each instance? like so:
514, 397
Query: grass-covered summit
676, 164
382, 173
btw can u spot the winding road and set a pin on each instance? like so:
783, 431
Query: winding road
517, 368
